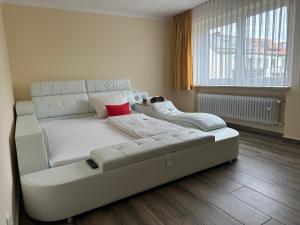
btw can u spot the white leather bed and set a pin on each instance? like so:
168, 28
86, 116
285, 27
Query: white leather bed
56, 132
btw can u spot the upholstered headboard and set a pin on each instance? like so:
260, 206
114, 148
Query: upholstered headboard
93, 86
66, 98
109, 87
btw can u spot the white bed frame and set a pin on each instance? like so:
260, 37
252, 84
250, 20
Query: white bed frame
62, 192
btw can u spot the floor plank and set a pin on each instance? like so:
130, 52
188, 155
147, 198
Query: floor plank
284, 176
266, 141
107, 216
168, 212
141, 213
227, 185
269, 206
273, 222
274, 158
254, 166
209, 192
276, 192
203, 212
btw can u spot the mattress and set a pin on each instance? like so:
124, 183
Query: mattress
71, 140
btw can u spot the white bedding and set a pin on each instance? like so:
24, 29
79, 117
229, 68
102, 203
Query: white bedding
203, 121
70, 140
139, 125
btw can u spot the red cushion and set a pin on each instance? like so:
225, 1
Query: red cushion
117, 110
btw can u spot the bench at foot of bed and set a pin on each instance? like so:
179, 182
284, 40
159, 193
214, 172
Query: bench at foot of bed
65, 191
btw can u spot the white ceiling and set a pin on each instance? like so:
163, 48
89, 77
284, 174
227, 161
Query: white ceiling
135, 8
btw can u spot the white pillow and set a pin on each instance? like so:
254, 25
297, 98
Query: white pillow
99, 102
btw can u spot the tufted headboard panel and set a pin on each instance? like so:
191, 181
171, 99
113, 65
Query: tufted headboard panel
49, 88
59, 98
66, 98
109, 87
93, 86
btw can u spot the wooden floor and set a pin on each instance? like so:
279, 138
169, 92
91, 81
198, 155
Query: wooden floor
261, 187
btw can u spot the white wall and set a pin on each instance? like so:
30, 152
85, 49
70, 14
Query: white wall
51, 44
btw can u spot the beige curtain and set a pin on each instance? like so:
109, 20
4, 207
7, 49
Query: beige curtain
182, 60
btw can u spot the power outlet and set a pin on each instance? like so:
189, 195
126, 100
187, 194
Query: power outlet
8, 219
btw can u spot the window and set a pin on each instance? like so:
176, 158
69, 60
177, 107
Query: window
242, 43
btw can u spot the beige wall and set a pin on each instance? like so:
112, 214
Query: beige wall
292, 114
49, 44
7, 187
184, 100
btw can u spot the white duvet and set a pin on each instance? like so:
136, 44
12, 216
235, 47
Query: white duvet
140, 125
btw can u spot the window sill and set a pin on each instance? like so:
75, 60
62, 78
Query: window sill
247, 87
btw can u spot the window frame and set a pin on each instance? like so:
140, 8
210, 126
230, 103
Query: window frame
241, 26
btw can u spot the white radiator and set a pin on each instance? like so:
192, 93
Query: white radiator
261, 110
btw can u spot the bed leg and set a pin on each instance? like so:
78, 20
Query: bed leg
231, 161
70, 220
